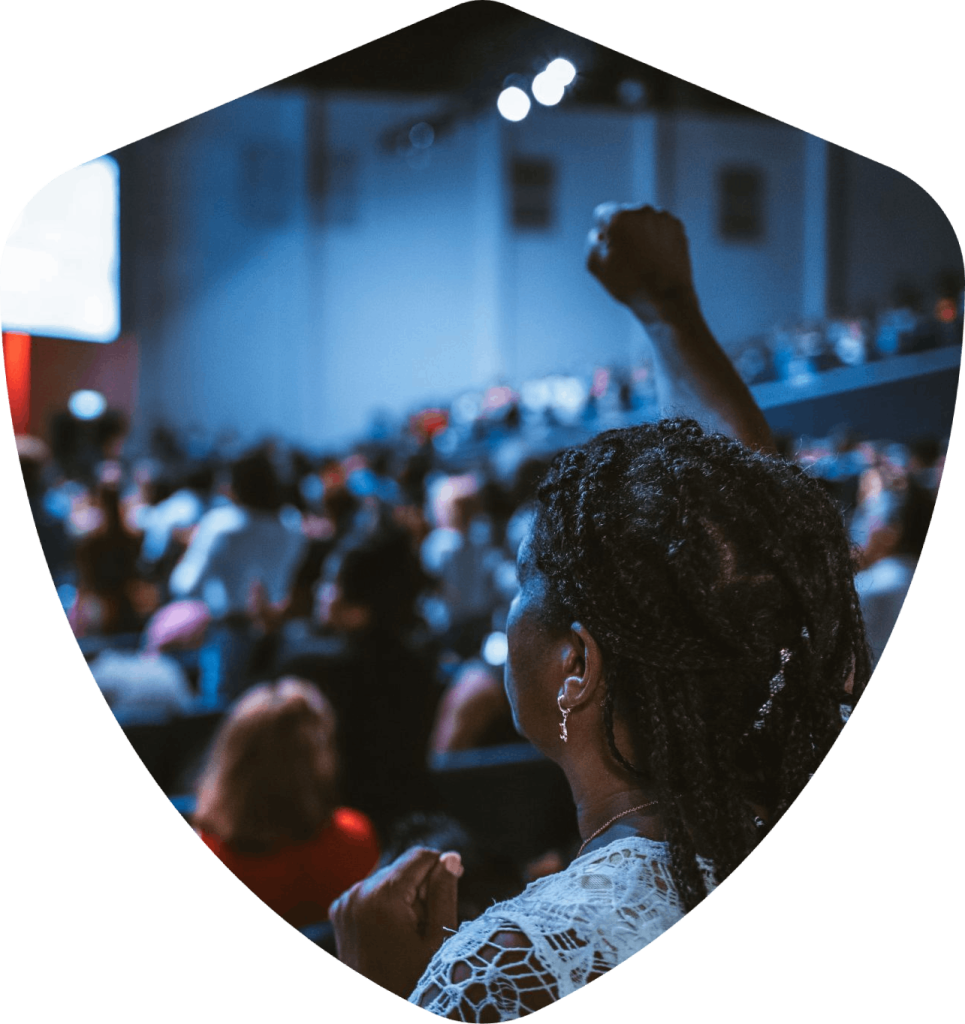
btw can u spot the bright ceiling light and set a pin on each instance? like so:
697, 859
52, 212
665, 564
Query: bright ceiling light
548, 89
561, 70
513, 104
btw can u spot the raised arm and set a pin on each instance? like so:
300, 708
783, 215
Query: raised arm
640, 256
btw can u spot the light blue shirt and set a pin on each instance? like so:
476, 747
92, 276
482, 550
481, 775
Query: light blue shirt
233, 549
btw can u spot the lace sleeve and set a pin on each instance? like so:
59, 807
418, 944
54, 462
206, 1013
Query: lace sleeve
500, 979
557, 936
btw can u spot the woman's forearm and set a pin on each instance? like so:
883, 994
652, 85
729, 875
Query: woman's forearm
695, 377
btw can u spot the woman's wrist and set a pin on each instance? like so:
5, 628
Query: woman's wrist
678, 308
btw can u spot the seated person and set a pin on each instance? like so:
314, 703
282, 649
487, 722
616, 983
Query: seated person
459, 554
241, 545
173, 517
473, 712
178, 626
267, 803
142, 684
111, 596
150, 682
371, 661
680, 645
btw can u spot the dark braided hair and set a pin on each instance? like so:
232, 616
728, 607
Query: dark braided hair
718, 583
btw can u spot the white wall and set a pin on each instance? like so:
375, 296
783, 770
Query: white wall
562, 320
271, 319
305, 327
745, 287
403, 291
222, 340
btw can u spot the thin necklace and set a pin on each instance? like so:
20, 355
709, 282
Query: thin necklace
616, 817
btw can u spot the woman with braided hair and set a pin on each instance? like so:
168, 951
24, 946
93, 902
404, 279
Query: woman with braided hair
684, 636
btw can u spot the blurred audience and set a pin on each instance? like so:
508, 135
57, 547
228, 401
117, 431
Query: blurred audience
368, 652
111, 597
142, 685
889, 525
241, 544
166, 524
473, 712
460, 555
374, 584
268, 804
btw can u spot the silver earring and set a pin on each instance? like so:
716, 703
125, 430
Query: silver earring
565, 712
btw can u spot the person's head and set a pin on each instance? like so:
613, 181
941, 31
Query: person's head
338, 502
892, 519
271, 775
255, 484
455, 500
177, 626
372, 581
107, 498
198, 477
691, 604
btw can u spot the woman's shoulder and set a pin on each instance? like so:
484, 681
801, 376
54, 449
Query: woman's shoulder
573, 925
631, 875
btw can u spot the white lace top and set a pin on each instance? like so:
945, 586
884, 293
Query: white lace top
559, 933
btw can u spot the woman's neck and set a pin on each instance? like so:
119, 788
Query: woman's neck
602, 808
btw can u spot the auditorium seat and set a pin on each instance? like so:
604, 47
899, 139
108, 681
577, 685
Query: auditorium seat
91, 646
172, 748
514, 801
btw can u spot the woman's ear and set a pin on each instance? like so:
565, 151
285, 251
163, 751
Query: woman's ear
583, 667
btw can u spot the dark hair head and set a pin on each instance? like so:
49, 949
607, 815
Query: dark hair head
107, 497
701, 567
198, 477
376, 566
271, 774
255, 483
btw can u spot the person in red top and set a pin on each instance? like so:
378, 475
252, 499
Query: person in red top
267, 803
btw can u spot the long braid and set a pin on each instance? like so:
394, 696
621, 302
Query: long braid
718, 583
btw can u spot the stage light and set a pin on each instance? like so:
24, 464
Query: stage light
513, 104
548, 89
560, 70
86, 405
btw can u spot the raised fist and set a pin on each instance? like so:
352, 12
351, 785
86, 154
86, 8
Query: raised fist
640, 256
